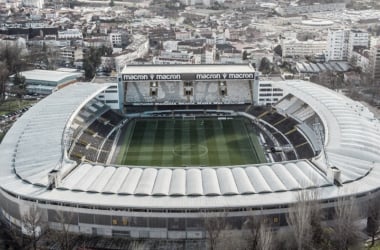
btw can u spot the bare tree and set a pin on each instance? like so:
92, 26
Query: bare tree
259, 234
12, 56
32, 225
345, 230
299, 218
214, 225
63, 235
373, 218
265, 237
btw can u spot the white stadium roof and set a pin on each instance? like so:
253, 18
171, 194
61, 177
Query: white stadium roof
48, 75
185, 69
33, 147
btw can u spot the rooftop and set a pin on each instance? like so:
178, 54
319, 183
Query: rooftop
187, 68
48, 75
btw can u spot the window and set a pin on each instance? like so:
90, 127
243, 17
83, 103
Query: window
276, 220
153, 92
111, 101
188, 84
189, 92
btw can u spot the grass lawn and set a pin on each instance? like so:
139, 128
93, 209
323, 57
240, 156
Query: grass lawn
200, 142
14, 105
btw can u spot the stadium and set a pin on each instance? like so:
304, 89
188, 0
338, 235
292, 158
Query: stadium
190, 142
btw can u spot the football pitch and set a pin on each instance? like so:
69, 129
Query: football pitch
170, 142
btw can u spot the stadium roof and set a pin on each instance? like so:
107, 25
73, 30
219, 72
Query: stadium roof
48, 75
351, 131
187, 68
34, 146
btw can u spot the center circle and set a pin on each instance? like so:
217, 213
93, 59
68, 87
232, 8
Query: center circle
188, 150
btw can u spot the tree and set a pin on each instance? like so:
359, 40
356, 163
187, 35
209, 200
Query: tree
345, 230
214, 225
304, 219
373, 218
245, 55
4, 74
19, 85
278, 50
32, 225
11, 55
265, 66
92, 60
299, 218
259, 235
63, 235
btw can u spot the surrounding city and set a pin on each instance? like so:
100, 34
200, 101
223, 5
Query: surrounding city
334, 44
48, 45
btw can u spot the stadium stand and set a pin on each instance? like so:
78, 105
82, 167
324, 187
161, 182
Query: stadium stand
93, 136
238, 92
206, 92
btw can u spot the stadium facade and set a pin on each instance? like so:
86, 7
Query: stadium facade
57, 155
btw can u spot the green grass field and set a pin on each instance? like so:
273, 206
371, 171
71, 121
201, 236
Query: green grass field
200, 142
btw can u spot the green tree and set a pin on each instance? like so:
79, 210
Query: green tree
278, 50
19, 85
265, 66
4, 73
91, 62
245, 55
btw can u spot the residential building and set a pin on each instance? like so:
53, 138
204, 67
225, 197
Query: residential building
183, 35
341, 42
174, 57
294, 48
375, 59
361, 59
70, 34
69, 55
357, 39
115, 39
33, 3
337, 45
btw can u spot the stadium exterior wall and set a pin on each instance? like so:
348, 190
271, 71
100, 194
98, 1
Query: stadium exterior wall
152, 223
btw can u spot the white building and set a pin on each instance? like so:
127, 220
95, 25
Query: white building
70, 54
210, 56
296, 48
115, 39
112, 96
340, 43
33, 3
183, 35
70, 34
267, 93
374, 61
201, 2
357, 38
290, 10
337, 45
174, 57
